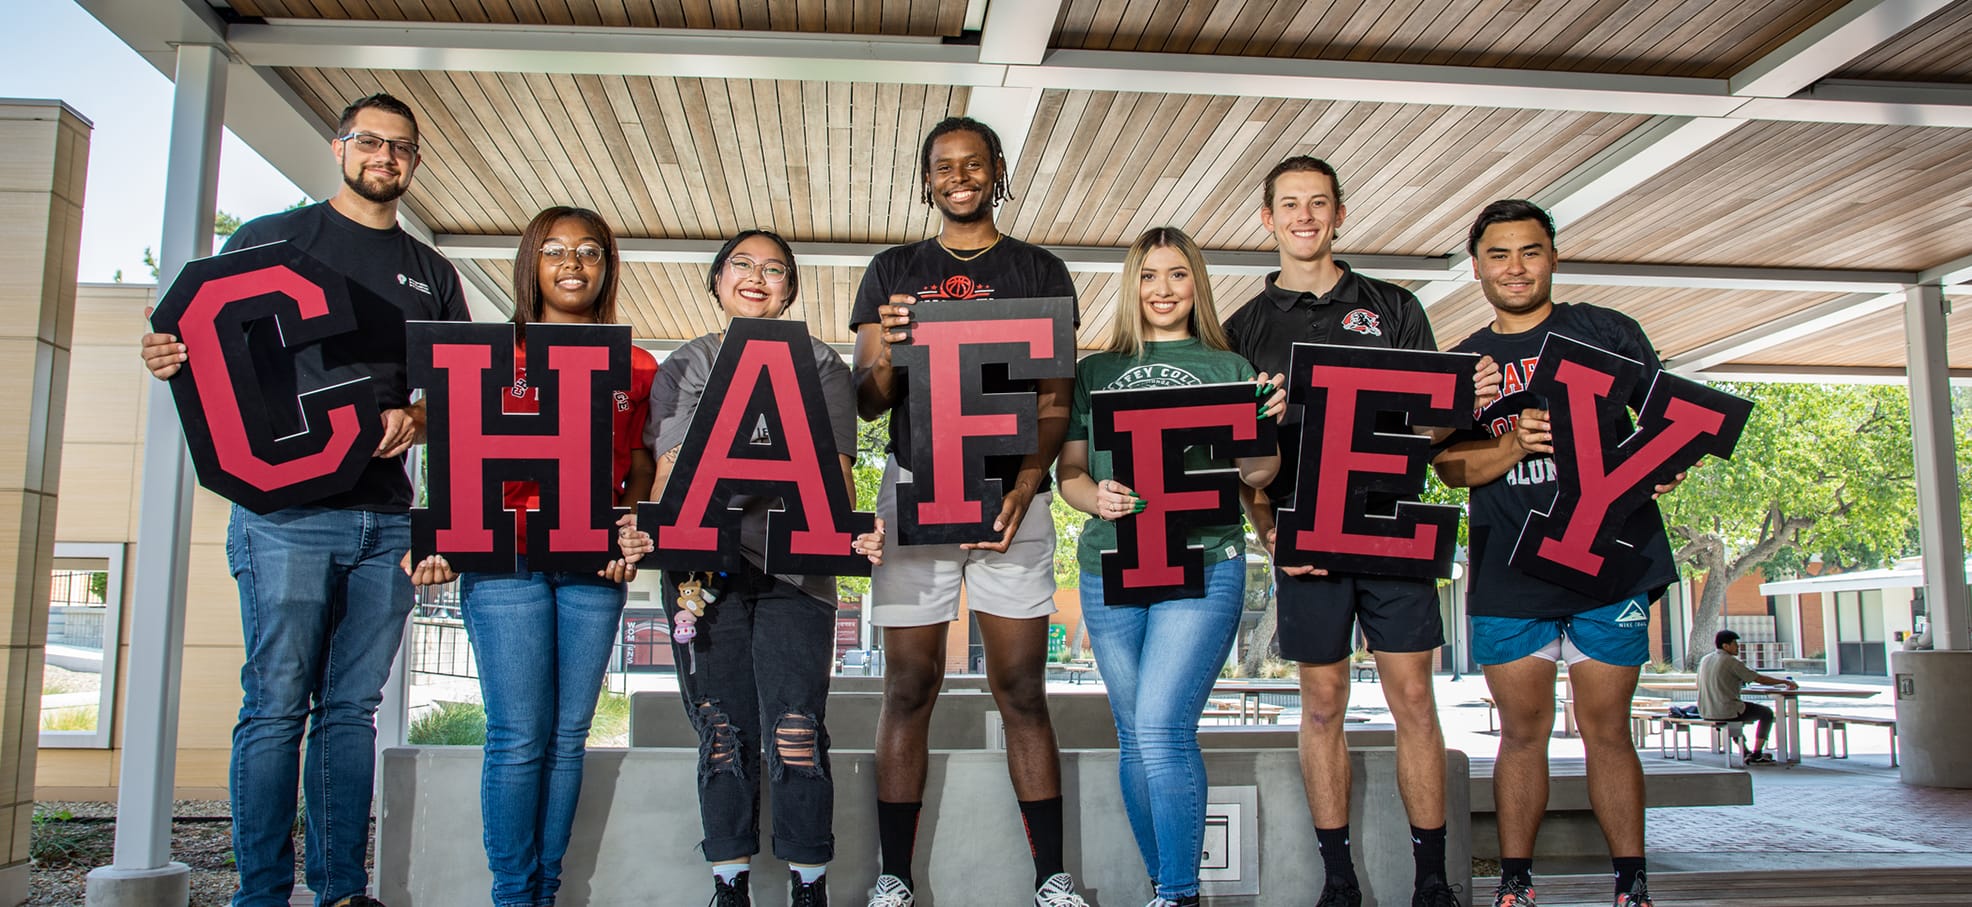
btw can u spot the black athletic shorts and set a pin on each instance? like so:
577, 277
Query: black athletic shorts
1318, 615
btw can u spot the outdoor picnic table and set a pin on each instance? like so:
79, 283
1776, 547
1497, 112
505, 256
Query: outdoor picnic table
1787, 711
1249, 696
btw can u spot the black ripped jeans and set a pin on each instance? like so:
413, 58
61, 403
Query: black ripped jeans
761, 679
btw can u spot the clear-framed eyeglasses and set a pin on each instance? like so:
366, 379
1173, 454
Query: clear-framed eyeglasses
771, 272
586, 253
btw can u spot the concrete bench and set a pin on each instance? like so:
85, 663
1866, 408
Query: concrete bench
638, 824
1570, 829
1833, 722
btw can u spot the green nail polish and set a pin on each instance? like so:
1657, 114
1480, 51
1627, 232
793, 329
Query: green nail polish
1141, 504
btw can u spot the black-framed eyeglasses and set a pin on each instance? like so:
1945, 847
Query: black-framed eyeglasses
770, 272
371, 144
586, 253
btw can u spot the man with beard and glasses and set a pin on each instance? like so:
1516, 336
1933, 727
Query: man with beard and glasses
1009, 582
322, 598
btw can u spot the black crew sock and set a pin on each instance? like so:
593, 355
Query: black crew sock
1627, 871
1521, 868
897, 833
1334, 844
1428, 849
1043, 821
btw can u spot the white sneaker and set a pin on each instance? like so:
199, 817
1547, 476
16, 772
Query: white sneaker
1059, 891
890, 891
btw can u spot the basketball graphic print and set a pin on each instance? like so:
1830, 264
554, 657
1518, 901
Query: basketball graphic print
958, 286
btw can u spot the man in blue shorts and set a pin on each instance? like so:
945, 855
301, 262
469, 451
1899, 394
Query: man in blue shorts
1523, 626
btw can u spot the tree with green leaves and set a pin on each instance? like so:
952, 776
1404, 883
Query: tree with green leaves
1821, 473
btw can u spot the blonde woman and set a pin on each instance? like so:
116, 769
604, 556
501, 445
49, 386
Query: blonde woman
1159, 662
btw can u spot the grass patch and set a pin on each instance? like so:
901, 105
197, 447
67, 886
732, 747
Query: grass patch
57, 839
79, 718
449, 724
612, 724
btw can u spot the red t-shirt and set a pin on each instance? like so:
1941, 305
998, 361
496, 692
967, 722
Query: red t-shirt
632, 407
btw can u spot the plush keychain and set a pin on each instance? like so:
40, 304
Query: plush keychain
692, 599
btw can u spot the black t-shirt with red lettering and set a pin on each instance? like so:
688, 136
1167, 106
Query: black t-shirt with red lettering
1500, 507
1011, 269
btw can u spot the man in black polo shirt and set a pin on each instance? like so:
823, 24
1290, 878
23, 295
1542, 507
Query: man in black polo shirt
1314, 298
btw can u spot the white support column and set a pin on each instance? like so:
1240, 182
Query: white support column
1943, 539
143, 872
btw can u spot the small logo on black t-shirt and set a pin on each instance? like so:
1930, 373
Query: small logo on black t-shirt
1362, 321
957, 286
414, 283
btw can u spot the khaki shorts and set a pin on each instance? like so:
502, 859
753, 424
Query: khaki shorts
918, 585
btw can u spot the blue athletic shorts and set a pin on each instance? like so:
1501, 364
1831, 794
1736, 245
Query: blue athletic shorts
1617, 634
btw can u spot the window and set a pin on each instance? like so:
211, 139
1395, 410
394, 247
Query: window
85, 611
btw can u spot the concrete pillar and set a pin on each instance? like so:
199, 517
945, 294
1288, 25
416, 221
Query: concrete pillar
1935, 739
143, 872
44, 160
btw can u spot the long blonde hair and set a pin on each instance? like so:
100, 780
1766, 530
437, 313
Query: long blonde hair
1126, 329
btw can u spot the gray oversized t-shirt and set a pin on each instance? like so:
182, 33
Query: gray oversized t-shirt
1719, 678
674, 400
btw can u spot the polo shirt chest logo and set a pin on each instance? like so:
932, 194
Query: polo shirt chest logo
1362, 321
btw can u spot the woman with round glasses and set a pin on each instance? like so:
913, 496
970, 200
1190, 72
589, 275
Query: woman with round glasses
543, 639
755, 675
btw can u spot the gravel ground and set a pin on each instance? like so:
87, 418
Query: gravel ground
72, 838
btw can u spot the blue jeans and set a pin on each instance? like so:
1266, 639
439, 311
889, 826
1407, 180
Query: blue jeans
322, 606
542, 641
1159, 664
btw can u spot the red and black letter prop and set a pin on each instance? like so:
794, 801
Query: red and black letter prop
764, 373
1349, 469
229, 421
1146, 433
955, 423
1606, 470
475, 447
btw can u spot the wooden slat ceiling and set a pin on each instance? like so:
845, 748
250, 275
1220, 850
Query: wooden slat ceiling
1876, 340
1677, 320
1101, 167
1797, 195
863, 17
1651, 37
1938, 49
677, 158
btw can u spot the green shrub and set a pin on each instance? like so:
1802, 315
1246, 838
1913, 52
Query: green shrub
450, 724
79, 718
612, 723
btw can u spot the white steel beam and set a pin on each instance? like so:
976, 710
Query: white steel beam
1788, 328
1949, 273
1017, 31
1819, 374
1941, 533
905, 60
1827, 45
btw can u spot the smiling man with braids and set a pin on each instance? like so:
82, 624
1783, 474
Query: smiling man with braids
1009, 582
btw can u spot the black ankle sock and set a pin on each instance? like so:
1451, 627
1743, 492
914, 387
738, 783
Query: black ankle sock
897, 832
1521, 868
1334, 844
1627, 871
1043, 821
1428, 849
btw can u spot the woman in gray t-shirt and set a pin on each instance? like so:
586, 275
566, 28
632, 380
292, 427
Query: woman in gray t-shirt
765, 645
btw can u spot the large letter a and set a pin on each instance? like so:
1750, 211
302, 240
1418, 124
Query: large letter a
765, 371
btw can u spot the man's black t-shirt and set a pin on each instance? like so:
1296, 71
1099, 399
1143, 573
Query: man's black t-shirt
1011, 269
393, 278
1500, 507
1358, 311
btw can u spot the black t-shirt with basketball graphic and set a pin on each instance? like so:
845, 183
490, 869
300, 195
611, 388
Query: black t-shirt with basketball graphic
1011, 269
1500, 507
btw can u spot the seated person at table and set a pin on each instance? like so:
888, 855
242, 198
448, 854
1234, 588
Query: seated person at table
1720, 675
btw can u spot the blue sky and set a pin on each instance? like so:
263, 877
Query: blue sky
62, 52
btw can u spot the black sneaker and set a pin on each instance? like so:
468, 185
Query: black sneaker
807, 894
1340, 894
733, 895
1514, 893
1434, 893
